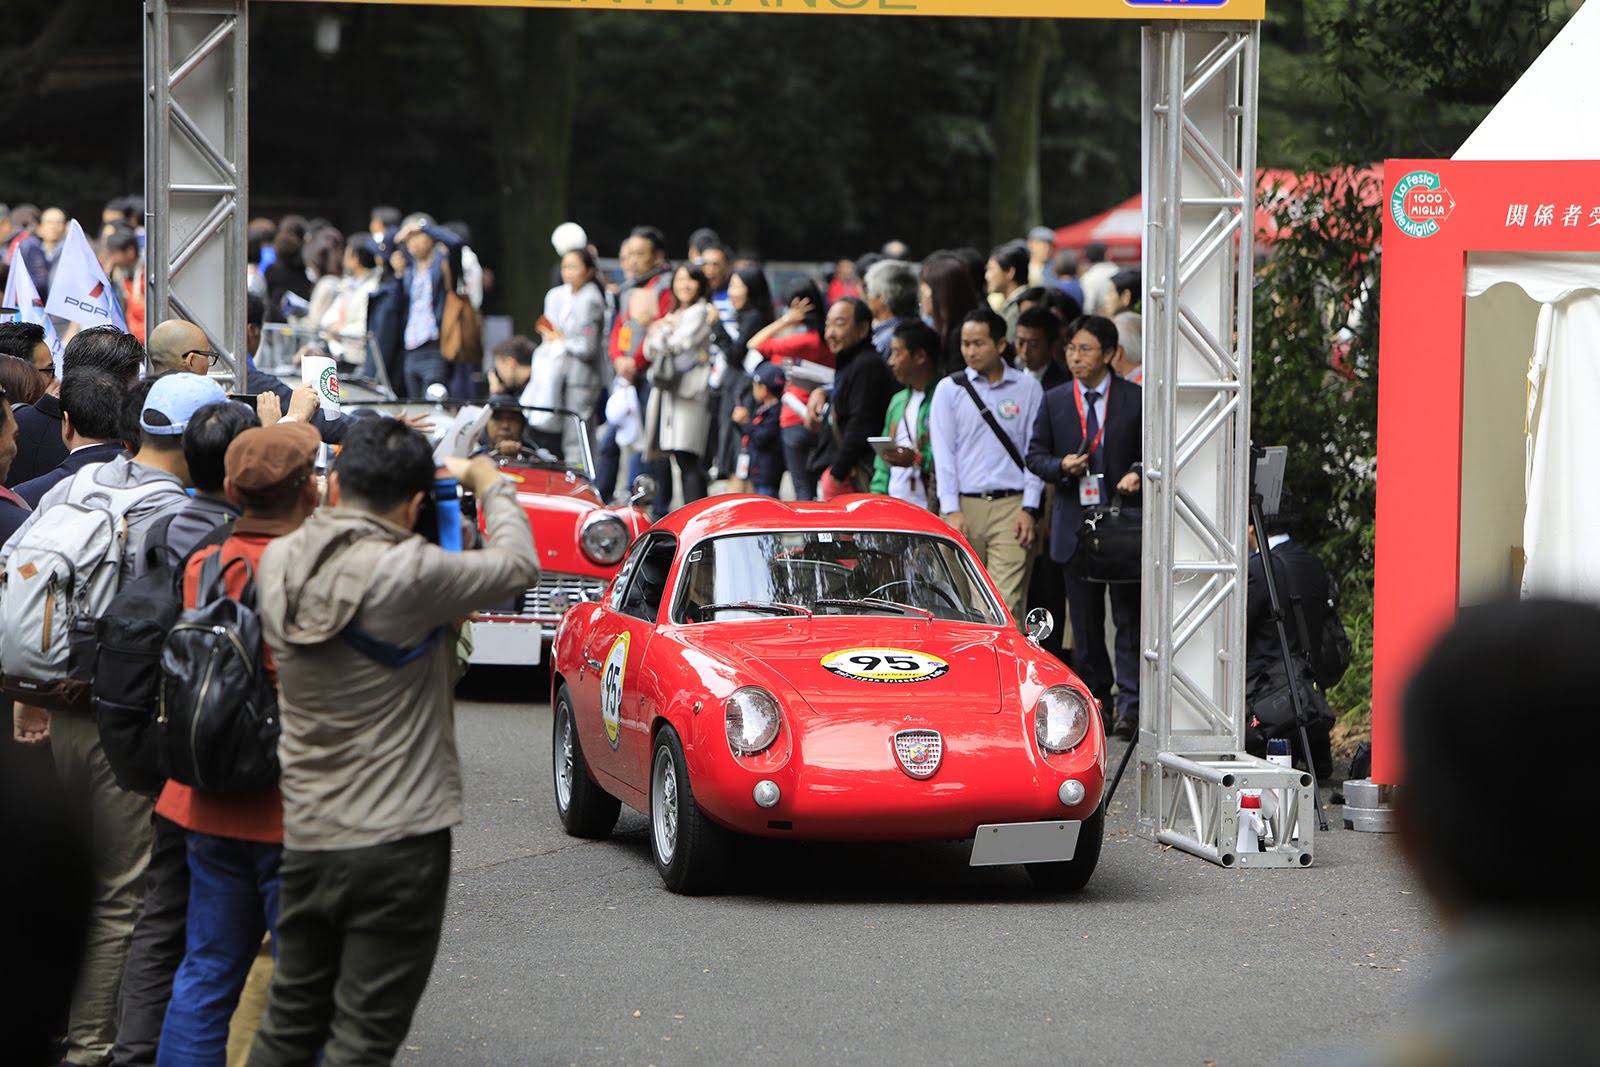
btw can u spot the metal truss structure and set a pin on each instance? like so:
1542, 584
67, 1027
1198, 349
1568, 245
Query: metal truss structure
1199, 129
1199, 106
196, 168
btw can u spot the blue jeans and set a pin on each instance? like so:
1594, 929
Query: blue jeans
767, 490
798, 444
423, 367
233, 900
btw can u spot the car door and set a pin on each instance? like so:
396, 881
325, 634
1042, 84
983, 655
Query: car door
615, 659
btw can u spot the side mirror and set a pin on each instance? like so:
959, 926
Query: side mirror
437, 393
644, 488
1041, 624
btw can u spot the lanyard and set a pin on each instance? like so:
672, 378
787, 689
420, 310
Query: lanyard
1083, 418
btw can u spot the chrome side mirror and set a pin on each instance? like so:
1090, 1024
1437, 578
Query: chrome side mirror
1041, 624
644, 488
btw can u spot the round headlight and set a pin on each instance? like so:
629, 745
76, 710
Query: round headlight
751, 719
1061, 718
603, 537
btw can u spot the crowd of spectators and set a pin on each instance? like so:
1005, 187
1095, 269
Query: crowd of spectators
977, 386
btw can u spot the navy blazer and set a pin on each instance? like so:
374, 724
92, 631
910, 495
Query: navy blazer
34, 489
39, 444
1058, 434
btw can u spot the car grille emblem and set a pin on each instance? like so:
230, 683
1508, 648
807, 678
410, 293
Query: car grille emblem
919, 752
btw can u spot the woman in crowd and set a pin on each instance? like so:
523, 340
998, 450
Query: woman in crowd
287, 271
346, 317
947, 294
569, 367
23, 384
324, 258
679, 350
752, 304
794, 335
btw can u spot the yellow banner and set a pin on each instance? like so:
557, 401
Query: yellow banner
1143, 10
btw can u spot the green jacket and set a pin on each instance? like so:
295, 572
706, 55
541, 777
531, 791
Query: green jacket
891, 422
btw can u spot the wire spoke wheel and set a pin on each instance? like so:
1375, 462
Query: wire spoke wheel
585, 809
664, 805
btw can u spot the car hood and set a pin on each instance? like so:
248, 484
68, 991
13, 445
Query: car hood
954, 668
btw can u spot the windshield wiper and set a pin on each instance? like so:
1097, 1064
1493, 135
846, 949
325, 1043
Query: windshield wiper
763, 607
873, 602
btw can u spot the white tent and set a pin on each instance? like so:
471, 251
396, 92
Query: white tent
1528, 444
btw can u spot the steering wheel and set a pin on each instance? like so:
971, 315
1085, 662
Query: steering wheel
944, 594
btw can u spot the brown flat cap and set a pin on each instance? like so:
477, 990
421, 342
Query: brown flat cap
265, 457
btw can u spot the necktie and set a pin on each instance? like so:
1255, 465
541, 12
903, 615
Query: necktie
1097, 464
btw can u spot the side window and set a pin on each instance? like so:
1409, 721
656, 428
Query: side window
647, 584
625, 575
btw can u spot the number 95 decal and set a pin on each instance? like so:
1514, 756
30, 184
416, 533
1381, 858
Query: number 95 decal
884, 664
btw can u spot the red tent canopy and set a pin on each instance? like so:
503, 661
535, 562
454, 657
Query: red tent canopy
1121, 228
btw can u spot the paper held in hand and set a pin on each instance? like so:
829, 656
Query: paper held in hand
322, 374
806, 374
461, 436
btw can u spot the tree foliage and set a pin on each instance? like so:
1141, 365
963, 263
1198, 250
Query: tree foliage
1375, 78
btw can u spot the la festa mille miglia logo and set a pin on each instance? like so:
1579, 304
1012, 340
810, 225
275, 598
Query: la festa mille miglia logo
1420, 204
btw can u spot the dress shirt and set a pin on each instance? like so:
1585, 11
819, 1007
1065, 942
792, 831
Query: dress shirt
1100, 402
883, 334
420, 324
967, 457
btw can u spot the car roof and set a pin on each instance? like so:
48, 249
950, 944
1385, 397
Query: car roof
750, 514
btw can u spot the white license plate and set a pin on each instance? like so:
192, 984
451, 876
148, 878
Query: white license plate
513, 644
1025, 842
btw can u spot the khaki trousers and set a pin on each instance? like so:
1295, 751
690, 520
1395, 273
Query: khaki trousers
990, 525
119, 842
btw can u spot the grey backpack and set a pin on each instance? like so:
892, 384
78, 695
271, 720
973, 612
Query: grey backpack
59, 575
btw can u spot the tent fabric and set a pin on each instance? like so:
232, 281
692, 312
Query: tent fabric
1121, 227
1561, 522
1536, 119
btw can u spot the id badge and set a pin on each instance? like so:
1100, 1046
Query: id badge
1089, 490
741, 469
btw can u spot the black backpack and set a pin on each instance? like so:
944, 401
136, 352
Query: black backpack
126, 682
1332, 652
218, 710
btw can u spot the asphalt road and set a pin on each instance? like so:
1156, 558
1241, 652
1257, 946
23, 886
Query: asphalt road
559, 951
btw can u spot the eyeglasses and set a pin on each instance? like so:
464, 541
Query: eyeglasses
211, 357
1084, 350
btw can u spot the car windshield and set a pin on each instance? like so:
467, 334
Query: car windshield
830, 572
528, 436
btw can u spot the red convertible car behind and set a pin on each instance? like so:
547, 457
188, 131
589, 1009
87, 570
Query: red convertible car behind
820, 671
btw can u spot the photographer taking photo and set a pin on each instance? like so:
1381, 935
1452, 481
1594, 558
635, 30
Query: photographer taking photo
362, 615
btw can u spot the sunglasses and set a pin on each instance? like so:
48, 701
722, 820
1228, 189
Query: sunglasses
211, 357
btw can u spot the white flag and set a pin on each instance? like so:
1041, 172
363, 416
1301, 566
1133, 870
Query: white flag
81, 291
22, 295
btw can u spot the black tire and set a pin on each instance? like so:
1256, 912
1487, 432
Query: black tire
1072, 875
586, 810
689, 849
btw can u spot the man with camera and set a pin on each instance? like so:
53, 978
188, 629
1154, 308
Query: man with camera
362, 617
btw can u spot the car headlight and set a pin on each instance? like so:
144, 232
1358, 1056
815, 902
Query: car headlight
1061, 718
751, 719
603, 537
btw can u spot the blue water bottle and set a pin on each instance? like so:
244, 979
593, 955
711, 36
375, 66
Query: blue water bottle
448, 500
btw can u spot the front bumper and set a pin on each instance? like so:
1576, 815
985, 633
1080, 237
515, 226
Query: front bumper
826, 804
514, 633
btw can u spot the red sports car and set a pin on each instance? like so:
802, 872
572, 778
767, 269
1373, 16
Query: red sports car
821, 671
580, 540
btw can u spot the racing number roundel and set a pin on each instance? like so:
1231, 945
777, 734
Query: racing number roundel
884, 665
611, 689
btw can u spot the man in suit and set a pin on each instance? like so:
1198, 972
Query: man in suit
1088, 441
1301, 580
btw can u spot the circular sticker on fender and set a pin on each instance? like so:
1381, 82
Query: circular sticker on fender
884, 665
611, 674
